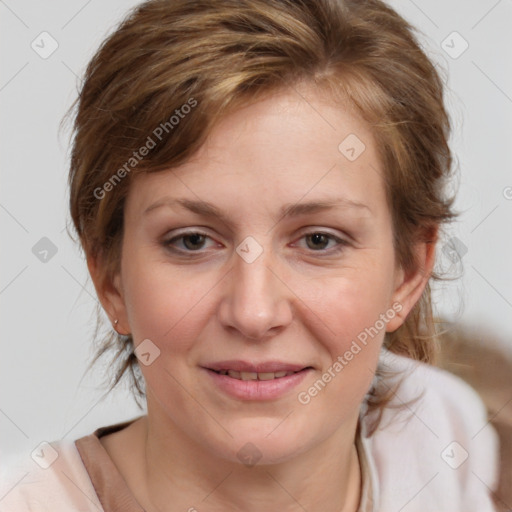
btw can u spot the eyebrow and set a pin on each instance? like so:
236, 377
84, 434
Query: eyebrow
206, 209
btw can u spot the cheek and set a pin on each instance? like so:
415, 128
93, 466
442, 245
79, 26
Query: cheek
349, 304
164, 305
351, 333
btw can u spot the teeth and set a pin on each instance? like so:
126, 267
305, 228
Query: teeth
248, 375
255, 376
266, 376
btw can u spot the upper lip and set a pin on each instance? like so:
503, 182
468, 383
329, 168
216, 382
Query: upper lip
262, 367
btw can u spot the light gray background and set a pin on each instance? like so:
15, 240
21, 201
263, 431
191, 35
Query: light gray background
47, 307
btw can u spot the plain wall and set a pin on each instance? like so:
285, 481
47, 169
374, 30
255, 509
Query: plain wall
47, 307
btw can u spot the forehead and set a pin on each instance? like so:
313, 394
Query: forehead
283, 148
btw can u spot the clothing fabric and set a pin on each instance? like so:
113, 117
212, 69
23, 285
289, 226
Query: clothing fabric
434, 451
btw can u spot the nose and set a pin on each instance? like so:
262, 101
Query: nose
256, 303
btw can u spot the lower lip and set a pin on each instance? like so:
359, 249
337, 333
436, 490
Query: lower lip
257, 389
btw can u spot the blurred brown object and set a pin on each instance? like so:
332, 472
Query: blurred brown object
479, 358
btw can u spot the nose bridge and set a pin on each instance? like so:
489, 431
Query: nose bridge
256, 301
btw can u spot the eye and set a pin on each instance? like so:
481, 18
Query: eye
319, 241
195, 241
191, 241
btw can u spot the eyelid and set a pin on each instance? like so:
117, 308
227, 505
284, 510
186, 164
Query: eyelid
341, 242
168, 241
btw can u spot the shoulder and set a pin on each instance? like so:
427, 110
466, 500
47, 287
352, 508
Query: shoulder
52, 478
437, 390
434, 446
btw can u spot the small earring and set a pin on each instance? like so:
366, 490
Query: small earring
116, 321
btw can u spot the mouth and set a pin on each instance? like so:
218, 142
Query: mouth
256, 375
256, 381
265, 370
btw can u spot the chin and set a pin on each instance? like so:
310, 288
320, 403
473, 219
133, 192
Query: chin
266, 441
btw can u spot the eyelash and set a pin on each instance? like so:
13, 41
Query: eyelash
341, 243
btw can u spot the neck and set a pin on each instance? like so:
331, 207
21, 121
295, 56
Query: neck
177, 474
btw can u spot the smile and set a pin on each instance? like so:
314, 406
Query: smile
254, 375
242, 380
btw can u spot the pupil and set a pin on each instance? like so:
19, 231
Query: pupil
196, 240
318, 238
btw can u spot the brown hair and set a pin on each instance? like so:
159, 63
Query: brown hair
216, 55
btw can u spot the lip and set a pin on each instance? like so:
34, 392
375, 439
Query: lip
256, 390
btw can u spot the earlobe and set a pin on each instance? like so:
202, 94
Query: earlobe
410, 285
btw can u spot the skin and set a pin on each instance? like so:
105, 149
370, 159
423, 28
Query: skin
300, 301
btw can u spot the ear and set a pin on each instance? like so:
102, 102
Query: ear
110, 294
410, 285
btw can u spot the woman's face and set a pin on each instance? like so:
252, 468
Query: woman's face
267, 256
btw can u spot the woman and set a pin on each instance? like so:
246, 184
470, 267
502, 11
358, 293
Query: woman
258, 190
